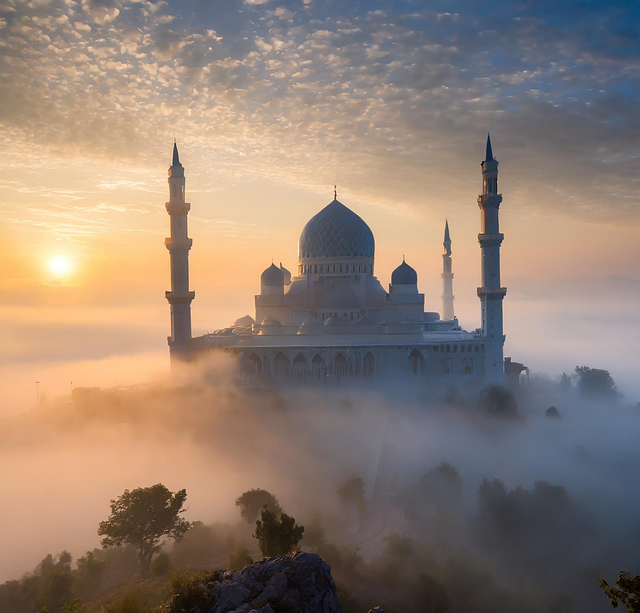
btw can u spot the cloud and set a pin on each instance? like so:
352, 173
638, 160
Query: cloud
397, 100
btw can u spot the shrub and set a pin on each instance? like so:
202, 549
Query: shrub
275, 536
129, 602
239, 558
191, 591
161, 565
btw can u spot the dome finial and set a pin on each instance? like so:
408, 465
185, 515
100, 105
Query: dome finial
403, 258
335, 192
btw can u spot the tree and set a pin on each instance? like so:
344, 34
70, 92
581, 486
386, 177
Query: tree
351, 492
498, 401
251, 503
553, 413
277, 537
596, 382
90, 566
627, 593
141, 517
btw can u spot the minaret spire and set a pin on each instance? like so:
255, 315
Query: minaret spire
489, 154
176, 158
447, 277
179, 244
491, 293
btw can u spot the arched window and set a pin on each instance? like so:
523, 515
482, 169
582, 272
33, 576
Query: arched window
254, 366
318, 366
416, 362
299, 368
369, 365
280, 365
340, 366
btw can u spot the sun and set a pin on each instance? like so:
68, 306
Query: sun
59, 266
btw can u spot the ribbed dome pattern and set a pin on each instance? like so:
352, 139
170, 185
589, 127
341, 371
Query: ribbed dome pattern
336, 231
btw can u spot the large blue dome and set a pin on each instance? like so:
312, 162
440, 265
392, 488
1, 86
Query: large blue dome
336, 232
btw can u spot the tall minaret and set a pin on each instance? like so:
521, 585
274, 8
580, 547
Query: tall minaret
447, 277
179, 245
491, 293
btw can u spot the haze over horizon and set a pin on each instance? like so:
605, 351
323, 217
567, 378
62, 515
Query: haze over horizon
272, 103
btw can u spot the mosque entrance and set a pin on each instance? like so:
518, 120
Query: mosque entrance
416, 362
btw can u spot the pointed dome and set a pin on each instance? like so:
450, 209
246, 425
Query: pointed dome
286, 273
336, 231
272, 277
404, 275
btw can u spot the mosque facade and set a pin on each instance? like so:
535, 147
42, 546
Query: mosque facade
332, 321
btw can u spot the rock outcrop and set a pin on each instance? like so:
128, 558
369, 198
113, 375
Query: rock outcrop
298, 582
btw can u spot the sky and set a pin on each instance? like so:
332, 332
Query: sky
272, 103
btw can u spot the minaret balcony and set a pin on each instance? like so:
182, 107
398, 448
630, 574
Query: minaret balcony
489, 201
491, 293
180, 297
490, 240
177, 207
178, 245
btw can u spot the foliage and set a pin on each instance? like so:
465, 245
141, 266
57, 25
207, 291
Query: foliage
251, 503
130, 602
351, 492
596, 382
498, 401
141, 517
348, 603
553, 413
239, 558
188, 592
198, 545
430, 595
275, 536
627, 593
161, 565
90, 565
74, 606
341, 558
314, 534
441, 486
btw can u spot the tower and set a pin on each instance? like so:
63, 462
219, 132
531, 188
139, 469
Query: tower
447, 277
179, 244
491, 293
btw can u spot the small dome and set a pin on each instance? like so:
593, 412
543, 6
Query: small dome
270, 322
336, 232
286, 273
244, 322
272, 277
311, 321
404, 275
336, 321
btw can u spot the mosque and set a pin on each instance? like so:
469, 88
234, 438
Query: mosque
333, 321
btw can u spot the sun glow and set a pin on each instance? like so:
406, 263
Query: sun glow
59, 266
